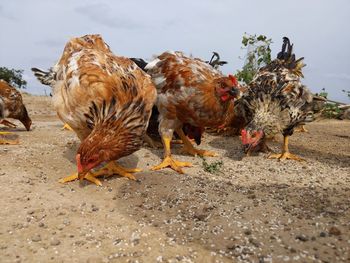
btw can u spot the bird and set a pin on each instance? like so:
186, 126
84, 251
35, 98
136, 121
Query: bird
193, 133
107, 101
192, 92
12, 106
276, 102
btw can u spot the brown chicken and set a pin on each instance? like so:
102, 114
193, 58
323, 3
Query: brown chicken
11, 106
107, 101
194, 133
191, 92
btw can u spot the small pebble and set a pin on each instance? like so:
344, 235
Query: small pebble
36, 238
323, 234
55, 242
247, 232
303, 238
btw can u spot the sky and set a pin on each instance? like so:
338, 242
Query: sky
34, 32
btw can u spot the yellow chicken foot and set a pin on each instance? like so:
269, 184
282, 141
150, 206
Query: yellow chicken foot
301, 129
66, 127
285, 153
113, 168
173, 164
75, 176
5, 133
168, 161
109, 169
8, 124
8, 142
188, 147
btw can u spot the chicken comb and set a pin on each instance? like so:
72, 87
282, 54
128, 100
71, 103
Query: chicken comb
244, 136
233, 79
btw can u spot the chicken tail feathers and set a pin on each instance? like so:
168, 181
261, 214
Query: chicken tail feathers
140, 63
45, 77
215, 61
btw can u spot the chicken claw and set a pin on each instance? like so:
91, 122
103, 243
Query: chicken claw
8, 142
188, 147
66, 127
74, 177
301, 129
286, 155
173, 164
109, 169
193, 151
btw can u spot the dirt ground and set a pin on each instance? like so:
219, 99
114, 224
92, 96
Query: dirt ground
249, 210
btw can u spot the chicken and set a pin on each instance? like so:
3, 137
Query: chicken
193, 133
11, 106
191, 92
276, 102
107, 101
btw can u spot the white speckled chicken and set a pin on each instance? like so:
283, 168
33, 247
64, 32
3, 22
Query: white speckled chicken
276, 102
107, 101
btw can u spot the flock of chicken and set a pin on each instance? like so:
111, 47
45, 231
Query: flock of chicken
111, 102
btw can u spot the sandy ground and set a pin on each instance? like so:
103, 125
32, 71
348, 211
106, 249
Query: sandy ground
250, 210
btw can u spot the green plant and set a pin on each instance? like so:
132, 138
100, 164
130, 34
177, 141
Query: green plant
347, 92
213, 167
13, 77
258, 55
323, 93
331, 111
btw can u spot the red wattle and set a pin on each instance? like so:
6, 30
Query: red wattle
225, 97
80, 167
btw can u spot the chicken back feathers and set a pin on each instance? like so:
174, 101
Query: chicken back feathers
106, 99
190, 90
11, 105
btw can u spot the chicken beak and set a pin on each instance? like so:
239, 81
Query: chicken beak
234, 92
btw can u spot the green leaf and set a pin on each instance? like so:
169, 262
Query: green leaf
13, 77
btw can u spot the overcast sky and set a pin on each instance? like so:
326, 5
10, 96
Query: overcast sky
33, 33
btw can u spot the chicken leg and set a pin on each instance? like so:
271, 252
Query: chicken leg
285, 152
168, 161
8, 142
109, 169
188, 147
